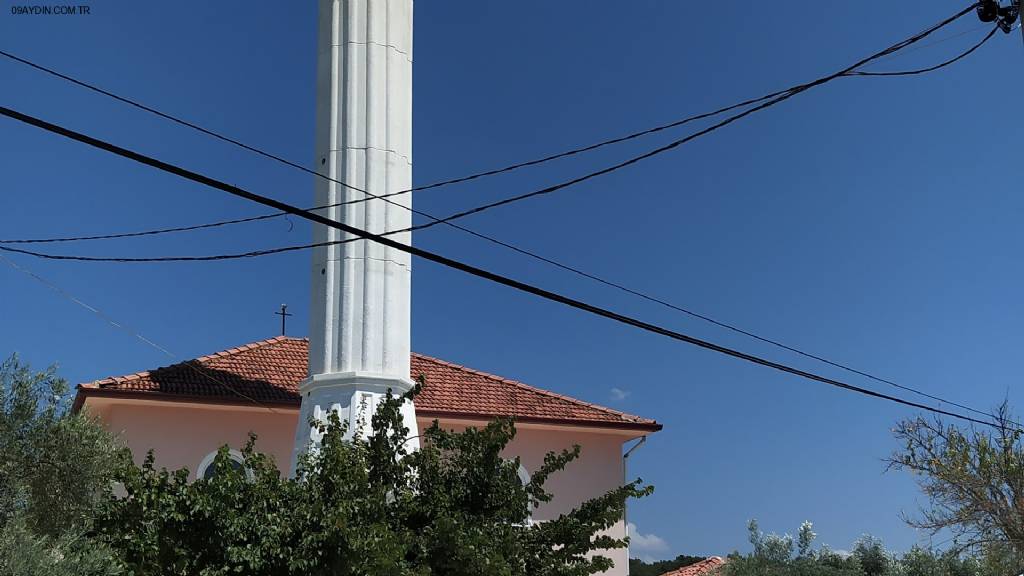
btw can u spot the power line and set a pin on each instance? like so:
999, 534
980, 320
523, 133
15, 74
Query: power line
475, 176
467, 268
211, 258
496, 241
773, 98
504, 244
439, 184
961, 56
676, 143
121, 326
566, 267
145, 232
903, 53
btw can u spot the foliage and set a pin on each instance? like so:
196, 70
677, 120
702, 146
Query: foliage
871, 555
362, 506
56, 468
774, 554
868, 557
638, 567
974, 480
25, 553
922, 562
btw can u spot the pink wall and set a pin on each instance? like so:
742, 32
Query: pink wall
181, 435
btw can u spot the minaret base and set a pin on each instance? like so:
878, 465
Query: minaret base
354, 397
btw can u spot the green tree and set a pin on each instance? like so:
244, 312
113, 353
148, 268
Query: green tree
638, 567
368, 507
56, 469
924, 562
973, 478
773, 554
868, 557
870, 553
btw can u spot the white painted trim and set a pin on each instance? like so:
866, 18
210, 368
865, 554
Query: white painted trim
207, 461
365, 381
524, 475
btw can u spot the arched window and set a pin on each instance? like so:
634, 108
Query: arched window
524, 477
206, 470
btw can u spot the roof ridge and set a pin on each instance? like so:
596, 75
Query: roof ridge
536, 390
244, 348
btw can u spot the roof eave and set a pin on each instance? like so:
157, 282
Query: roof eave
639, 426
84, 393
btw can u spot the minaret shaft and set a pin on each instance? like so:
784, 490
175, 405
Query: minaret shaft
359, 315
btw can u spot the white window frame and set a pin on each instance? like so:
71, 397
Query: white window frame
524, 477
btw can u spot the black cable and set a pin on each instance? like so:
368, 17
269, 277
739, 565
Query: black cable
121, 326
675, 144
143, 233
904, 53
499, 242
509, 168
566, 267
212, 258
931, 68
493, 172
777, 96
467, 268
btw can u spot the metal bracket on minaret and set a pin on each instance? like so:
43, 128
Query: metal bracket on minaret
359, 315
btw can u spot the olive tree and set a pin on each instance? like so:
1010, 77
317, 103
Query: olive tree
973, 478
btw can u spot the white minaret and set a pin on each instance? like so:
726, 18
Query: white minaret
359, 318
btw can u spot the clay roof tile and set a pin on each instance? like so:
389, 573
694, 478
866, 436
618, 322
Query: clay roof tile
269, 371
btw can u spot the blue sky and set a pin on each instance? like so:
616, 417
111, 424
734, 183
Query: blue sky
873, 221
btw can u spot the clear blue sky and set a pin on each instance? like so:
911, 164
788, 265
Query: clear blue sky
874, 221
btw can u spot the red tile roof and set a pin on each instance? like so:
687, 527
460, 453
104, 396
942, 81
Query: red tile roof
269, 372
701, 568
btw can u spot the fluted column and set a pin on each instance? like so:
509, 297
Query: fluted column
359, 317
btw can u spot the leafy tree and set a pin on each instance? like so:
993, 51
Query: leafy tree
368, 507
773, 555
805, 539
870, 553
26, 553
638, 567
973, 478
770, 548
56, 468
869, 557
923, 562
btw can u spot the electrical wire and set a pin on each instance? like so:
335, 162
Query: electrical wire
472, 270
566, 267
212, 258
904, 53
955, 59
439, 184
135, 334
145, 232
475, 176
721, 124
504, 244
780, 95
